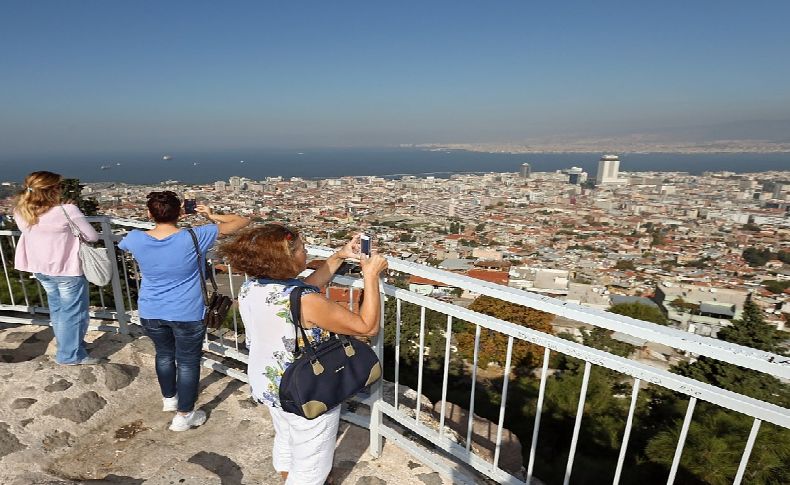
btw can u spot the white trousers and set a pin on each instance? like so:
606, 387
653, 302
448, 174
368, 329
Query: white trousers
303, 447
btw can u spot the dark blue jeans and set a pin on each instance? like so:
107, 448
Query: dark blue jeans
179, 348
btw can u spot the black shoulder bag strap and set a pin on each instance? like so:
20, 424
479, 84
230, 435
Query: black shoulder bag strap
201, 265
296, 312
296, 316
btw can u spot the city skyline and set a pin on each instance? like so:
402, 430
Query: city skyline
93, 77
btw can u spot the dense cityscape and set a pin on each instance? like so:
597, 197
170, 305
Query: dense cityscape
690, 244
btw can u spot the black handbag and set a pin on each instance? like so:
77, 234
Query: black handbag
217, 305
324, 375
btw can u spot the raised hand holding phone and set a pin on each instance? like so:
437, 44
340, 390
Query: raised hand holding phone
190, 202
365, 244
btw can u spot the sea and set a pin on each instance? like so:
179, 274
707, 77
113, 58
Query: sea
207, 167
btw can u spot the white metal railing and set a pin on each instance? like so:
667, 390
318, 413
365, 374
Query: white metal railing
116, 314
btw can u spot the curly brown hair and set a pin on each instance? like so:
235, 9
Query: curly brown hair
263, 252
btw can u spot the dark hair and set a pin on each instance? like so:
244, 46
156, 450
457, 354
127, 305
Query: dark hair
164, 206
263, 251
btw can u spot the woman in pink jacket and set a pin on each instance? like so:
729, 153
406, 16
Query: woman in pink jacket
49, 250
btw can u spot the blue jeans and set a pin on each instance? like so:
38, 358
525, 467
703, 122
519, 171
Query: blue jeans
68, 312
179, 347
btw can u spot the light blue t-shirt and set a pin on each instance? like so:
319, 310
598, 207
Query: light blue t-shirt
170, 288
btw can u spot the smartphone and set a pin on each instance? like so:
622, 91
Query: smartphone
189, 206
365, 242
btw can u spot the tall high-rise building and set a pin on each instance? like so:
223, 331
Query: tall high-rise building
526, 171
608, 169
576, 175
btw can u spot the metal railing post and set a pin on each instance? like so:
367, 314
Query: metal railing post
117, 291
377, 389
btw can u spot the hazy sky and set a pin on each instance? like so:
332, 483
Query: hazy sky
105, 75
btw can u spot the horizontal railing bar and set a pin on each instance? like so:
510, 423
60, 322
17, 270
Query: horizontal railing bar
759, 360
225, 351
455, 473
451, 447
428, 458
120, 221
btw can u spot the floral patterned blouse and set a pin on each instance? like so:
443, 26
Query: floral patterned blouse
266, 311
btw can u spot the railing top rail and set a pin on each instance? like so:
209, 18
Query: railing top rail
131, 223
748, 357
690, 387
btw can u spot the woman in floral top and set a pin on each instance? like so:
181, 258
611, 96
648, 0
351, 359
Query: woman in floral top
273, 255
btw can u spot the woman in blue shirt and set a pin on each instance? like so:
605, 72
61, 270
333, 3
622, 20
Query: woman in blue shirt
170, 302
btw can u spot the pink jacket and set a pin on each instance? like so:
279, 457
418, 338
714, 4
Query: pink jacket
49, 247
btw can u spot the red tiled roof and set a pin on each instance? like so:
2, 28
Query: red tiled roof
498, 277
340, 295
417, 280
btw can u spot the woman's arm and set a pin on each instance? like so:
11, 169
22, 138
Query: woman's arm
20, 221
76, 215
319, 311
326, 271
227, 223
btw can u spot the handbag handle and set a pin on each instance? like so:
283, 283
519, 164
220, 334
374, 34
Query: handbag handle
74, 229
201, 266
296, 312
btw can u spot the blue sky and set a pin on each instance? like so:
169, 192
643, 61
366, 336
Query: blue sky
97, 75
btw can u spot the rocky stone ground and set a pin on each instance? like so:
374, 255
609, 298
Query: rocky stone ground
104, 424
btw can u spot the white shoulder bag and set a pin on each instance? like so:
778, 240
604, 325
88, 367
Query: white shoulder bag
96, 262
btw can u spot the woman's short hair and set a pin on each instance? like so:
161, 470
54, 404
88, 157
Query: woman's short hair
41, 191
263, 251
164, 206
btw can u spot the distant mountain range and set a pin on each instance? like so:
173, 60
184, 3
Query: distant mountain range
757, 136
777, 131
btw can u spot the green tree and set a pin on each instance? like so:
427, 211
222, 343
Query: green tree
625, 264
776, 286
72, 190
601, 339
639, 311
493, 345
756, 257
716, 437
682, 305
751, 227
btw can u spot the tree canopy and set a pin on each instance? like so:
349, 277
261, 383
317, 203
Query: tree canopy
716, 435
640, 312
493, 345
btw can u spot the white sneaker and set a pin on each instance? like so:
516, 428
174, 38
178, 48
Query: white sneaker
183, 423
170, 403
